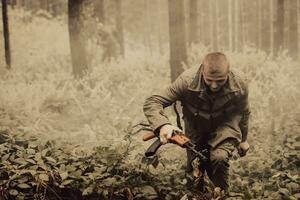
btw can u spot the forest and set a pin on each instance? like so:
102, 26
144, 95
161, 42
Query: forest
74, 75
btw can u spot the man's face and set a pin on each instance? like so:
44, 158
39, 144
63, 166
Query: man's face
215, 77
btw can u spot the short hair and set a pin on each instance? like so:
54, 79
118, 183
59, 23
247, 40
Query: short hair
215, 61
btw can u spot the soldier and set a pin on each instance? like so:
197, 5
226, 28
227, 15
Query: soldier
215, 111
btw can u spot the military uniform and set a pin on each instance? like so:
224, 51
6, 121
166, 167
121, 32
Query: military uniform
217, 121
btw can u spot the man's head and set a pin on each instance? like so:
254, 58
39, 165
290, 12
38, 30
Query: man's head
215, 71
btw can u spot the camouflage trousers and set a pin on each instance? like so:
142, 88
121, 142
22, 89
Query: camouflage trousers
217, 168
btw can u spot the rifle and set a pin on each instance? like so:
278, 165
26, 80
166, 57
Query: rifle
177, 138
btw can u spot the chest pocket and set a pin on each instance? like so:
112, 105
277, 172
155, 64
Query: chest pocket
228, 108
197, 107
225, 107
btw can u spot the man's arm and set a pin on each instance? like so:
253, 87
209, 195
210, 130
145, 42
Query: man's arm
155, 104
245, 113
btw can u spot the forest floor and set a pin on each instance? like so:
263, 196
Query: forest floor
62, 138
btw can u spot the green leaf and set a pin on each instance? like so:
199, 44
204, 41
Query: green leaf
109, 181
20, 161
31, 151
77, 173
63, 175
45, 152
31, 161
51, 159
24, 186
88, 190
5, 157
13, 192
44, 177
67, 182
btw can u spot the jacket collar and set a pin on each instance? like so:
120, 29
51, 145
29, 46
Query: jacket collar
198, 85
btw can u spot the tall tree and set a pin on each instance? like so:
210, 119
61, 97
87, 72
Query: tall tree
271, 19
159, 27
78, 53
178, 51
211, 24
279, 26
242, 26
147, 29
44, 4
205, 31
215, 24
236, 25
193, 25
119, 26
99, 10
6, 34
265, 27
223, 24
230, 25
293, 30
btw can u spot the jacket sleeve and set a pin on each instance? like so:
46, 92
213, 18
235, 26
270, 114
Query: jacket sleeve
155, 104
245, 113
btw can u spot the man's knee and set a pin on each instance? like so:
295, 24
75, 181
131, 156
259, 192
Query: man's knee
219, 156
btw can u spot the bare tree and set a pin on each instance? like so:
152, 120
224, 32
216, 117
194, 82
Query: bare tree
236, 25
159, 27
119, 27
147, 29
265, 27
205, 14
230, 19
293, 30
215, 24
78, 53
279, 26
99, 10
6, 34
193, 25
178, 51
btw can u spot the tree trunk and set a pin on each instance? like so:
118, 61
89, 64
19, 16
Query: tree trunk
271, 19
286, 23
265, 26
298, 19
206, 23
178, 51
215, 26
147, 36
242, 26
236, 25
223, 24
159, 27
293, 30
279, 27
259, 19
230, 42
119, 27
6, 34
78, 54
99, 10
193, 26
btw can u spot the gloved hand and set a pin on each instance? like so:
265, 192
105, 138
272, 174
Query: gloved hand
243, 148
165, 132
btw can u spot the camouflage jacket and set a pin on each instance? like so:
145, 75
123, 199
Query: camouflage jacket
207, 118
